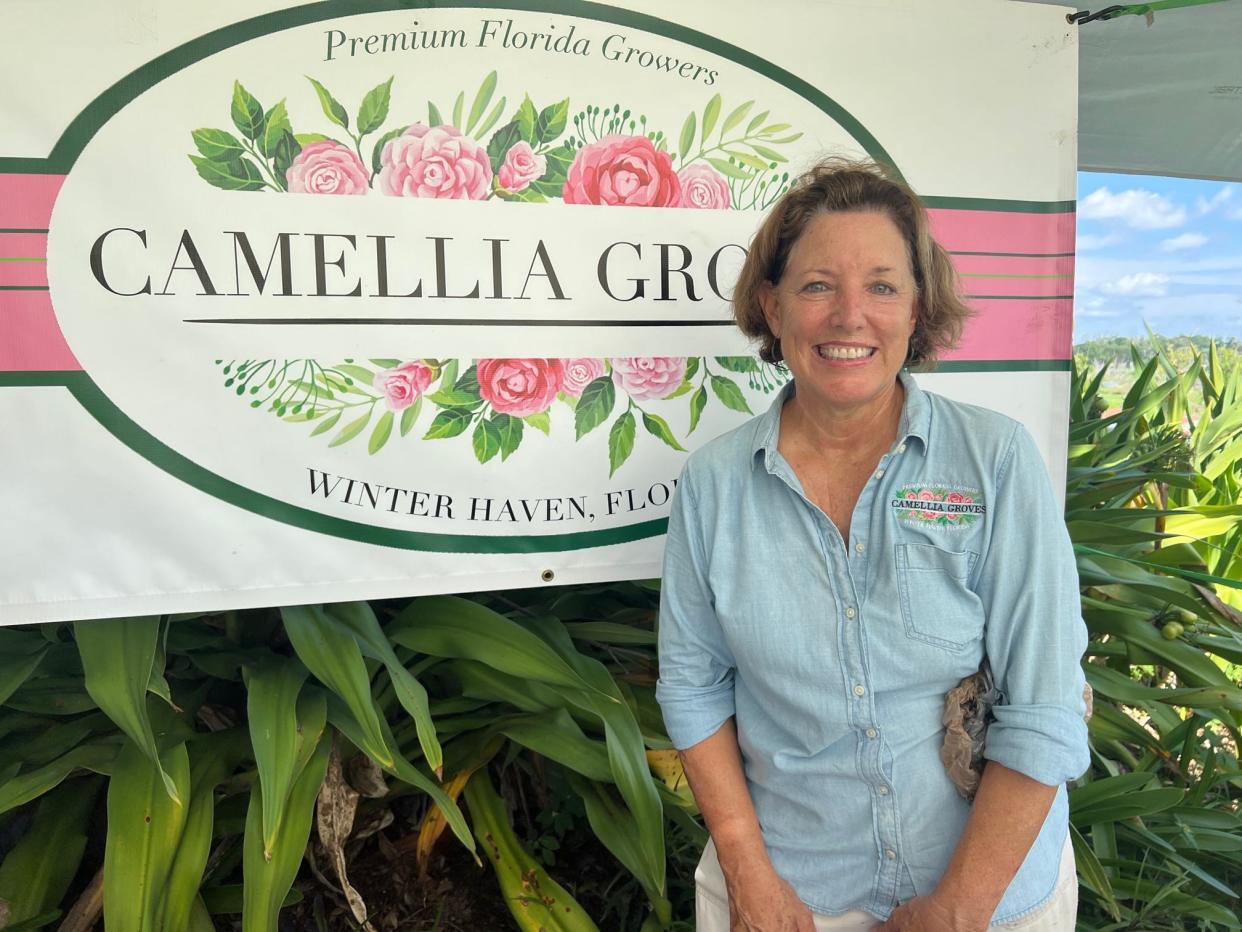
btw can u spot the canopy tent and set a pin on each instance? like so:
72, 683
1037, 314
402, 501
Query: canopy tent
1160, 92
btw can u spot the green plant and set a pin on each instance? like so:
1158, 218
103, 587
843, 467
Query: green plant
1153, 508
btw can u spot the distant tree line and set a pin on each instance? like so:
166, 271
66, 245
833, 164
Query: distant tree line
1118, 350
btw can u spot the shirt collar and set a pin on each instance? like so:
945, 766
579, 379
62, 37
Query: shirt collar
916, 417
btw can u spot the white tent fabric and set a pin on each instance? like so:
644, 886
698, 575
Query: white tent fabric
1164, 98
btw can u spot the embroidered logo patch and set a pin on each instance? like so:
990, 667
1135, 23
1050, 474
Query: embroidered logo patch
948, 506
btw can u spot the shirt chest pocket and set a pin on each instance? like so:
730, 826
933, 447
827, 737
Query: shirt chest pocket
937, 605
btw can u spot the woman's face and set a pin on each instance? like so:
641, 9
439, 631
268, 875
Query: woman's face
844, 309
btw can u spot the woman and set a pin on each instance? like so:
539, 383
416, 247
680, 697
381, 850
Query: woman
838, 564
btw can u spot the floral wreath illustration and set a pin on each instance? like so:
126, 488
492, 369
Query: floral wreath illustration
610, 158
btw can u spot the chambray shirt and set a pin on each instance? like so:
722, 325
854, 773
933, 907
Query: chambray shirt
834, 656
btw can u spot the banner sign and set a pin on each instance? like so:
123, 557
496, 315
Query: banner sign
360, 299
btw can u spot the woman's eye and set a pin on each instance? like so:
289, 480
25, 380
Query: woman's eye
883, 288
816, 287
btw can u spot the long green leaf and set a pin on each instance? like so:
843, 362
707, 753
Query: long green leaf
118, 656
272, 690
99, 757
267, 880
144, 828
332, 654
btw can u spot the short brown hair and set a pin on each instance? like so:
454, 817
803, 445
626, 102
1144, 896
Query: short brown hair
840, 185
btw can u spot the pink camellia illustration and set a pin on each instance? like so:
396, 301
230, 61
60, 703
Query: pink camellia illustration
703, 187
579, 373
647, 378
954, 498
521, 166
327, 167
928, 496
520, 387
402, 386
434, 162
622, 170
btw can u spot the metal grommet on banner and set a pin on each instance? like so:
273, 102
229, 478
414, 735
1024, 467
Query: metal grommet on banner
547, 576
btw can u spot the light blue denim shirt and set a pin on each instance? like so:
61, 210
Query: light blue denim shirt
835, 656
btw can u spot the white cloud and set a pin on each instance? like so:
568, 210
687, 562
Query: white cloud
1185, 241
1142, 210
1151, 284
1086, 242
1207, 205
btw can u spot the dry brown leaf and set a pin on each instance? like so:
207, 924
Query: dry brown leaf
434, 822
335, 809
367, 777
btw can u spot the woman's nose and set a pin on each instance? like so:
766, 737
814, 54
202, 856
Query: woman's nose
847, 309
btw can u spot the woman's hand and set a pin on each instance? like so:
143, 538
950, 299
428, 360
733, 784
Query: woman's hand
927, 914
764, 902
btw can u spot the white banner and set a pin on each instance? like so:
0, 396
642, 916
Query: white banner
322, 304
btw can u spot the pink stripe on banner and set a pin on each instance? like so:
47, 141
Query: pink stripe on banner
30, 337
23, 244
1002, 231
1009, 265
26, 200
1035, 329
1010, 287
28, 274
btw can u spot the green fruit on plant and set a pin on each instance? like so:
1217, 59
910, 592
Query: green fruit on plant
1172, 631
1186, 616
1099, 406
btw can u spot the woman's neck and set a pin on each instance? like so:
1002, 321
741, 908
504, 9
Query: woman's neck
825, 429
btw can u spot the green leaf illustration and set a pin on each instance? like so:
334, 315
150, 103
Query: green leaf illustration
541, 421
381, 433
682, 389
332, 108
594, 405
481, 99
218, 145
433, 115
687, 135
756, 122
326, 424
275, 125
729, 170
620, 442
352, 429
385, 363
247, 113
374, 108
357, 373
738, 363
698, 401
510, 433
753, 161
551, 121
785, 140
492, 118
448, 423
711, 113
770, 154
241, 175
459, 106
736, 117
486, 440
729, 394
452, 398
287, 149
410, 415
774, 128
448, 374
378, 152
468, 382
658, 427
558, 160
692, 367
305, 139
501, 142
525, 119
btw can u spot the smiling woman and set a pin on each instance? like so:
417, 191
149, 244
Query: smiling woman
837, 566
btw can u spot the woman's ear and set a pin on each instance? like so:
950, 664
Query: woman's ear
769, 303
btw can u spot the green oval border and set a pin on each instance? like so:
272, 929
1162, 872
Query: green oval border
83, 128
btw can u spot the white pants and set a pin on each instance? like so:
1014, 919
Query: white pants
1057, 914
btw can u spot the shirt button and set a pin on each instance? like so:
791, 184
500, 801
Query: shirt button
901, 448
879, 473
882, 790
850, 613
860, 547
859, 691
872, 733
890, 854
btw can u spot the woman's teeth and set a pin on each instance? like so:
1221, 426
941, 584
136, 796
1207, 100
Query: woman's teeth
844, 352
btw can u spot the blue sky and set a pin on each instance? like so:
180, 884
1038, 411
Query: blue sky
1164, 250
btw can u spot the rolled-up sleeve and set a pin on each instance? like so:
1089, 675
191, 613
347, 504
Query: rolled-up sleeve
695, 688
1035, 639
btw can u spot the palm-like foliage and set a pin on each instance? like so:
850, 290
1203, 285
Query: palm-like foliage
1153, 508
